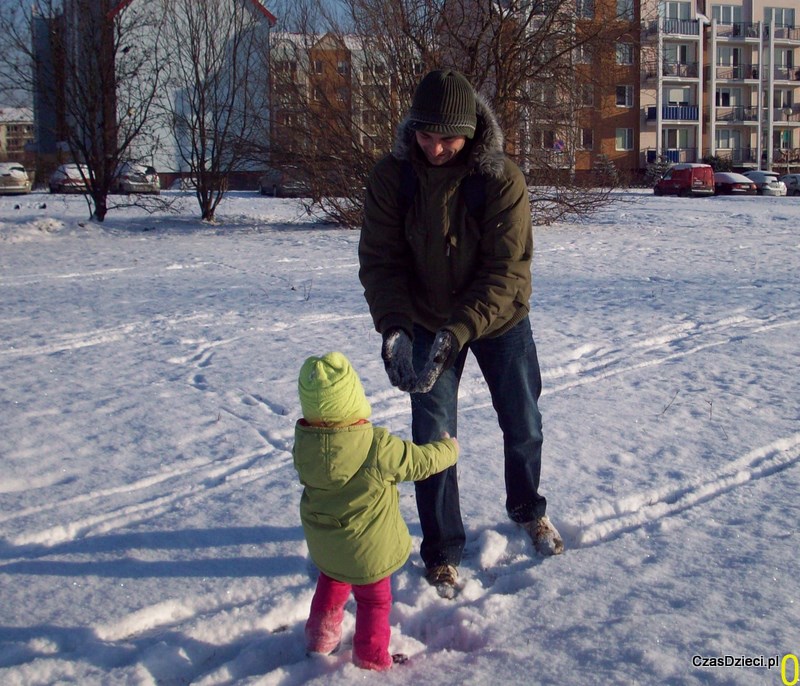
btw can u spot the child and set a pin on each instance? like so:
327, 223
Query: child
350, 509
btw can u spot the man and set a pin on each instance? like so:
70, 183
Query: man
443, 277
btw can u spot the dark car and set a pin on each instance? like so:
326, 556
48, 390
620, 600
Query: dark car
282, 184
792, 182
731, 183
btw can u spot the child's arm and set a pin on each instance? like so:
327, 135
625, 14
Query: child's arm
406, 461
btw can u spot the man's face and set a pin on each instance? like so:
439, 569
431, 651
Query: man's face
438, 149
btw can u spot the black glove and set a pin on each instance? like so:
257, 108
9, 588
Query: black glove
442, 356
396, 354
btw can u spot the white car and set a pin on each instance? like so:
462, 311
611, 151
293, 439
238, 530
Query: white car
69, 178
767, 182
132, 177
14, 180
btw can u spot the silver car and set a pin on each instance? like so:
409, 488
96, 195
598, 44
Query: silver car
14, 180
792, 182
767, 182
132, 177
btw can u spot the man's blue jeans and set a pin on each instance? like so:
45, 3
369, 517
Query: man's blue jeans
510, 368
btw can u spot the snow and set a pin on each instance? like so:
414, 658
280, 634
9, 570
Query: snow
149, 524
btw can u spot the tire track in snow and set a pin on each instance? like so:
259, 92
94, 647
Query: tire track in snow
691, 335
634, 511
201, 476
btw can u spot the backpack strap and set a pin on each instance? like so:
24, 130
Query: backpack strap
473, 190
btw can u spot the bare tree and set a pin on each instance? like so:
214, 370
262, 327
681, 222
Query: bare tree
526, 56
219, 73
93, 70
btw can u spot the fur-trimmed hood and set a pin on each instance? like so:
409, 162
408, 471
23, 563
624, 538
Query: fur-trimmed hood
486, 149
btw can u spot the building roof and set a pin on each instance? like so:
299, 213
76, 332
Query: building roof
16, 115
259, 6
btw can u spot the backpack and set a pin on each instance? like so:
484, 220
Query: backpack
473, 189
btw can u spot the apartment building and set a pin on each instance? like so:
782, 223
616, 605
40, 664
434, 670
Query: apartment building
16, 132
721, 79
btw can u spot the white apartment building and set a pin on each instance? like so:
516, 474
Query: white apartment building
721, 79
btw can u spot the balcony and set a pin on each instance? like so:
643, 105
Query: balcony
786, 115
736, 115
674, 27
680, 70
673, 155
681, 27
738, 30
736, 72
786, 73
785, 33
675, 113
737, 156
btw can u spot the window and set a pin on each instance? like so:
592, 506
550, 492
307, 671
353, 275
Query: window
782, 16
625, 9
624, 53
587, 139
582, 55
585, 9
624, 96
343, 68
678, 96
677, 10
727, 15
782, 98
586, 95
624, 139
726, 139
729, 97
318, 66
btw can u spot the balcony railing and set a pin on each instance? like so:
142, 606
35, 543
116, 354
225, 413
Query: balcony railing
737, 71
675, 113
673, 155
738, 156
674, 27
738, 30
785, 32
681, 70
682, 27
785, 114
786, 73
736, 114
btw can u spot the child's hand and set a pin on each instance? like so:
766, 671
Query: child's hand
452, 438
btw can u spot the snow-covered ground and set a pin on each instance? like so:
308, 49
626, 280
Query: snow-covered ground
149, 527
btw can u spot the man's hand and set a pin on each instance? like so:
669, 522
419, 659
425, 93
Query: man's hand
396, 354
442, 356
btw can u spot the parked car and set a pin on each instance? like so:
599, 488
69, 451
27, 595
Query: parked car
14, 180
132, 177
69, 178
686, 178
767, 182
792, 182
731, 183
281, 184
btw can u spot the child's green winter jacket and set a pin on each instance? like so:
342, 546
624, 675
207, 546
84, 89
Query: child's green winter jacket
349, 508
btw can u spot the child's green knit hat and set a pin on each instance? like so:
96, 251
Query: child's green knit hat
330, 390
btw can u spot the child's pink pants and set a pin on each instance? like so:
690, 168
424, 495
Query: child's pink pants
373, 604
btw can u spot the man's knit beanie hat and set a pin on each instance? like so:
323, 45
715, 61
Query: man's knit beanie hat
330, 390
444, 103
